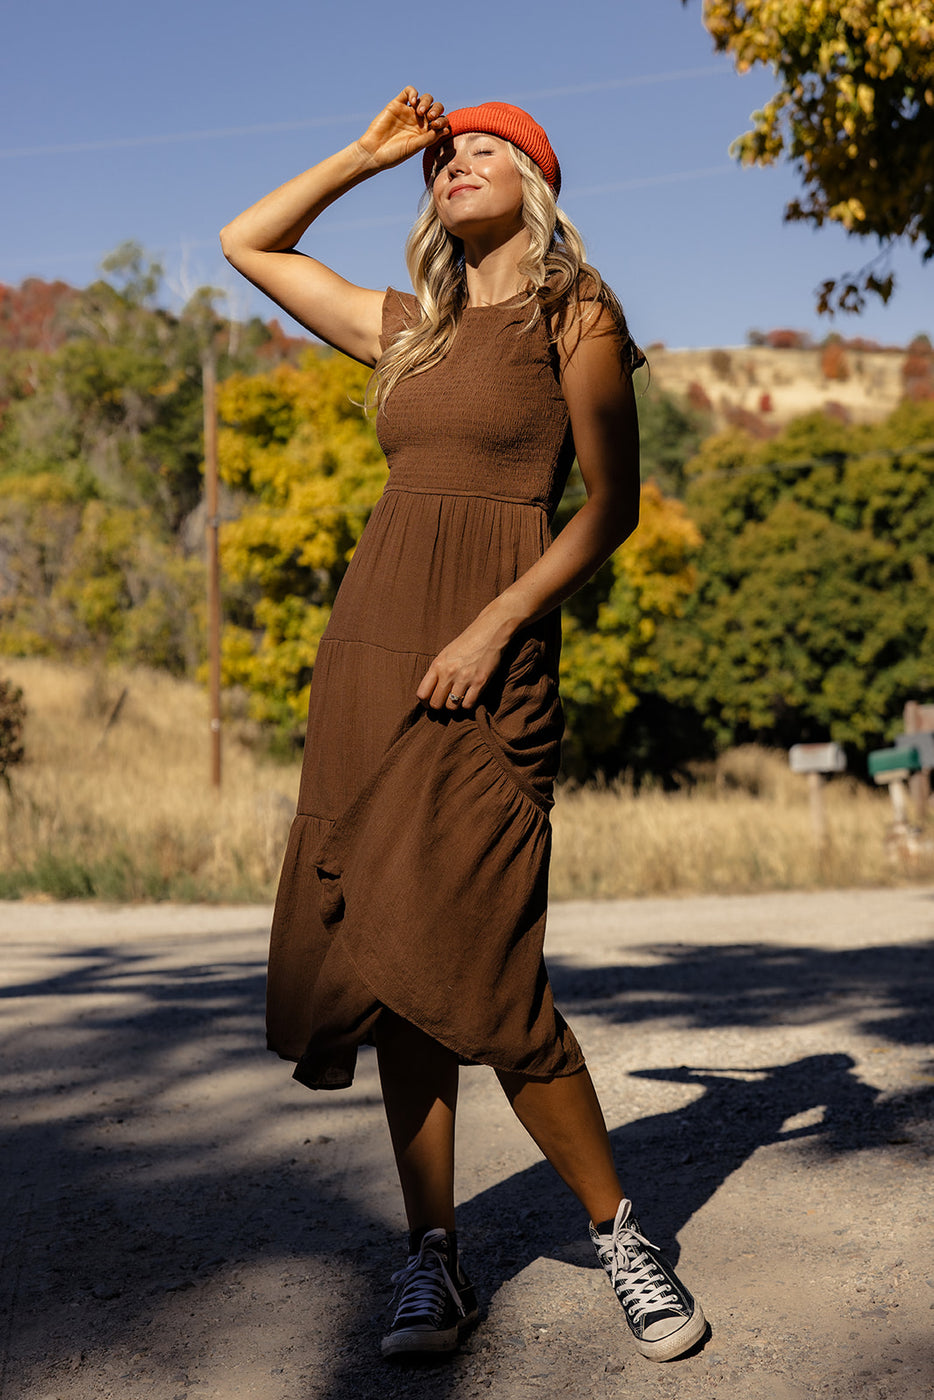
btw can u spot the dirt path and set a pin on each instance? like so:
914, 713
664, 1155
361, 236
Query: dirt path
180, 1220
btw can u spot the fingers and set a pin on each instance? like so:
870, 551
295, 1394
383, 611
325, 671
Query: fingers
424, 105
449, 693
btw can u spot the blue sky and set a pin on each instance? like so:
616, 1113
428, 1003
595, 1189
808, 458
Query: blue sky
159, 122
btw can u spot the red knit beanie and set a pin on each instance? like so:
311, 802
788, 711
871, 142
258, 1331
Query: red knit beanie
512, 124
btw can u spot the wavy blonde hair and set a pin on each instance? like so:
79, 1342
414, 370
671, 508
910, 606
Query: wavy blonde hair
562, 287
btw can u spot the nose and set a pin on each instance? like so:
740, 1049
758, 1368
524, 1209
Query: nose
459, 164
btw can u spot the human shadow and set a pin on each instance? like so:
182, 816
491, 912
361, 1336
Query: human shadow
140, 1218
888, 990
675, 1161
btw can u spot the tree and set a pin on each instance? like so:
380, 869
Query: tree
814, 611
117, 405
297, 446
670, 432
306, 460
91, 579
608, 649
854, 112
12, 721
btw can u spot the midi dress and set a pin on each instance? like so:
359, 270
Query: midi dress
415, 877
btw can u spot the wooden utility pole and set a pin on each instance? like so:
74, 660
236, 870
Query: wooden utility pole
212, 524
918, 720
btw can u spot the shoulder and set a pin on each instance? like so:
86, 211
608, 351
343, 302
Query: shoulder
593, 326
400, 311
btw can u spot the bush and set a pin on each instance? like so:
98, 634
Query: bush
12, 721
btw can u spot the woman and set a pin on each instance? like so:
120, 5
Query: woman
411, 907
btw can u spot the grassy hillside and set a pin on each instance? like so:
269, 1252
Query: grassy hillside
778, 385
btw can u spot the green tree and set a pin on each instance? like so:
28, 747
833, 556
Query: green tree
101, 463
92, 579
608, 660
670, 432
12, 722
854, 112
116, 406
814, 611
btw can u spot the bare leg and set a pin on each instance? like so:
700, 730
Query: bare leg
564, 1118
419, 1081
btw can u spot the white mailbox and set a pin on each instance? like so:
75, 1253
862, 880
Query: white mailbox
817, 758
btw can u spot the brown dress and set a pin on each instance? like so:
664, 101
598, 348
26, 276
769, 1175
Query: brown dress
417, 866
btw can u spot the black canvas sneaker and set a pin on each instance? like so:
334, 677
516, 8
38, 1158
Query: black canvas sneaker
663, 1318
434, 1303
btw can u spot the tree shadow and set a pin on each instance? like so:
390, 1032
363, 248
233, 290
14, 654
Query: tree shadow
124, 1222
888, 990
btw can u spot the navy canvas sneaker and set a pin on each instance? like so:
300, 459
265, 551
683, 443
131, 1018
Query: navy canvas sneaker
663, 1317
434, 1302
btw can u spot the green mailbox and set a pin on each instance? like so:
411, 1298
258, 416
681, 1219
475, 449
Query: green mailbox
886, 765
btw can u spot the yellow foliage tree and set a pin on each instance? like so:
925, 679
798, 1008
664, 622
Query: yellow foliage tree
854, 112
296, 445
605, 666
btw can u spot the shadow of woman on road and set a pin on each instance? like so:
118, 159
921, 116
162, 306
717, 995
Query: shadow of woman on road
672, 1163
146, 1197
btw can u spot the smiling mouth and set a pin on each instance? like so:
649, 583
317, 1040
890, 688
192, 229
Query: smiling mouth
460, 189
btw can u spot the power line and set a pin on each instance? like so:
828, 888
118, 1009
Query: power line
220, 133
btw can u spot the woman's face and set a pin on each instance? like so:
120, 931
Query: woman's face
477, 186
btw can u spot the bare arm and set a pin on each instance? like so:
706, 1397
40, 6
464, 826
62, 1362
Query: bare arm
602, 407
261, 241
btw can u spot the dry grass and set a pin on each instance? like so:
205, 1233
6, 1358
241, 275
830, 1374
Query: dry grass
130, 814
746, 828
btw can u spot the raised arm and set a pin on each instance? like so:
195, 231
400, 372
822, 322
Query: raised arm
601, 403
261, 241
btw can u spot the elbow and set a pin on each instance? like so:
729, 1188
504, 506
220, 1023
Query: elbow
632, 515
626, 524
623, 514
228, 244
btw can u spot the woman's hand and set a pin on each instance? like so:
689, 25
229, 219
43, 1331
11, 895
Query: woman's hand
458, 674
408, 124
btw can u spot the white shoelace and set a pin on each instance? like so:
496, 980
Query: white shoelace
421, 1285
639, 1283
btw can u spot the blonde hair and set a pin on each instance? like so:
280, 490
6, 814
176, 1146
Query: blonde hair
562, 287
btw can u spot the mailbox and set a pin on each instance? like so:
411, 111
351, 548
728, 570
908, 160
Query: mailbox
923, 743
817, 758
892, 765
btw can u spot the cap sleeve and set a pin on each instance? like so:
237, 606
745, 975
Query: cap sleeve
400, 310
588, 290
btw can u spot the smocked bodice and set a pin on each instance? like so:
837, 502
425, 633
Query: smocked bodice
489, 420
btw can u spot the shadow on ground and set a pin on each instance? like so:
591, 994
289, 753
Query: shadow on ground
112, 1224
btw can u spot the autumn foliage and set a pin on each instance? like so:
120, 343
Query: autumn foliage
853, 112
779, 586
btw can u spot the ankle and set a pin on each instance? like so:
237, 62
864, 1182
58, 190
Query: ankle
608, 1225
418, 1233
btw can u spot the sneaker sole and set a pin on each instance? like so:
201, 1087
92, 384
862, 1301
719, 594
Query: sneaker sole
417, 1341
675, 1345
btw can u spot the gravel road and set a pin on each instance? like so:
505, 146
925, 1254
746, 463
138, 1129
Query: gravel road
181, 1220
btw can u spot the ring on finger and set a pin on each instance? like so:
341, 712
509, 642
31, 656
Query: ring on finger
455, 699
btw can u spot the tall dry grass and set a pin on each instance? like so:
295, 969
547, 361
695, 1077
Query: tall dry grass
130, 814
747, 828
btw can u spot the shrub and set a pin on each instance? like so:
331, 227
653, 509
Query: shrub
12, 721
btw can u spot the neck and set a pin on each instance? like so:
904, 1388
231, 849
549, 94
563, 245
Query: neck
492, 272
